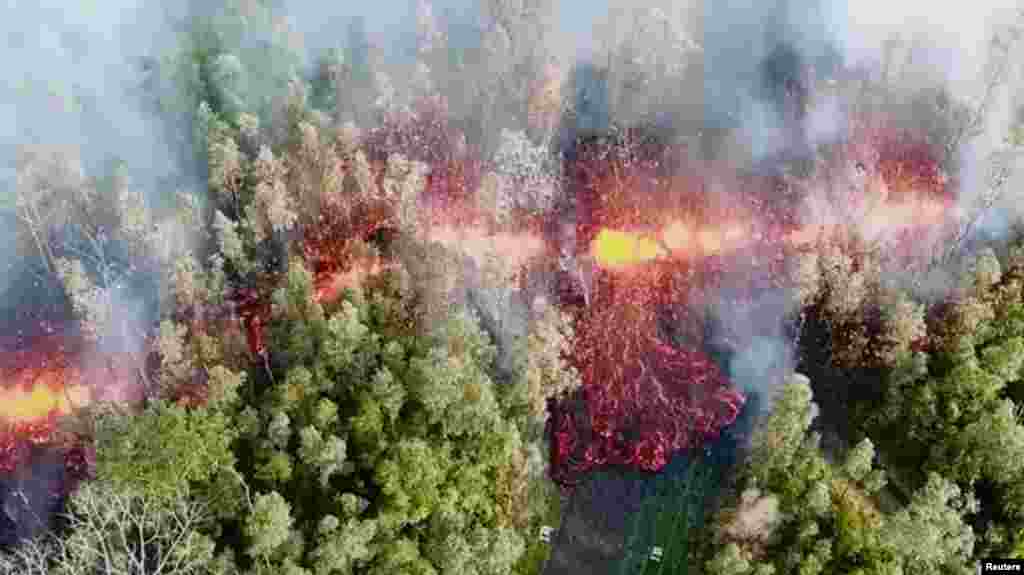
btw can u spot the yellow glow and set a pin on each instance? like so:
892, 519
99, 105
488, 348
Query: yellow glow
616, 249
17, 404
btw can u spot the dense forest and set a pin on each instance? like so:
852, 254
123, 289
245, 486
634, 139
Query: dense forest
393, 312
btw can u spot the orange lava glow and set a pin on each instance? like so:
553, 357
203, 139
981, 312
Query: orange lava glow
716, 240
908, 214
38, 380
330, 288
54, 376
514, 249
619, 249
18, 405
676, 236
885, 221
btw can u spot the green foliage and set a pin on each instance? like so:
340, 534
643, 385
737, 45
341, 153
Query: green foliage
985, 270
226, 162
164, 449
223, 387
729, 561
276, 469
828, 517
480, 552
903, 324
231, 243
941, 406
235, 56
386, 447
344, 548
373, 433
952, 410
413, 494
990, 447
299, 322
269, 524
859, 467
325, 414
325, 455
349, 348
930, 532
279, 430
337, 435
777, 444
388, 393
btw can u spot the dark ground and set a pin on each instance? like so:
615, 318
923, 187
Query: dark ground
600, 516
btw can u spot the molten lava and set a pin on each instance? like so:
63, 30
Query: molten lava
19, 405
896, 222
476, 242
617, 249
329, 287
38, 379
643, 399
50, 376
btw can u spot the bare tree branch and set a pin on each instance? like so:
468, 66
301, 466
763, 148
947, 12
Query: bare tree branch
117, 533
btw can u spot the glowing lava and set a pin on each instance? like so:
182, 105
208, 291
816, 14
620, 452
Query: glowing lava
514, 249
676, 236
885, 221
38, 380
46, 377
330, 287
890, 221
618, 249
19, 405
716, 240
55, 374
